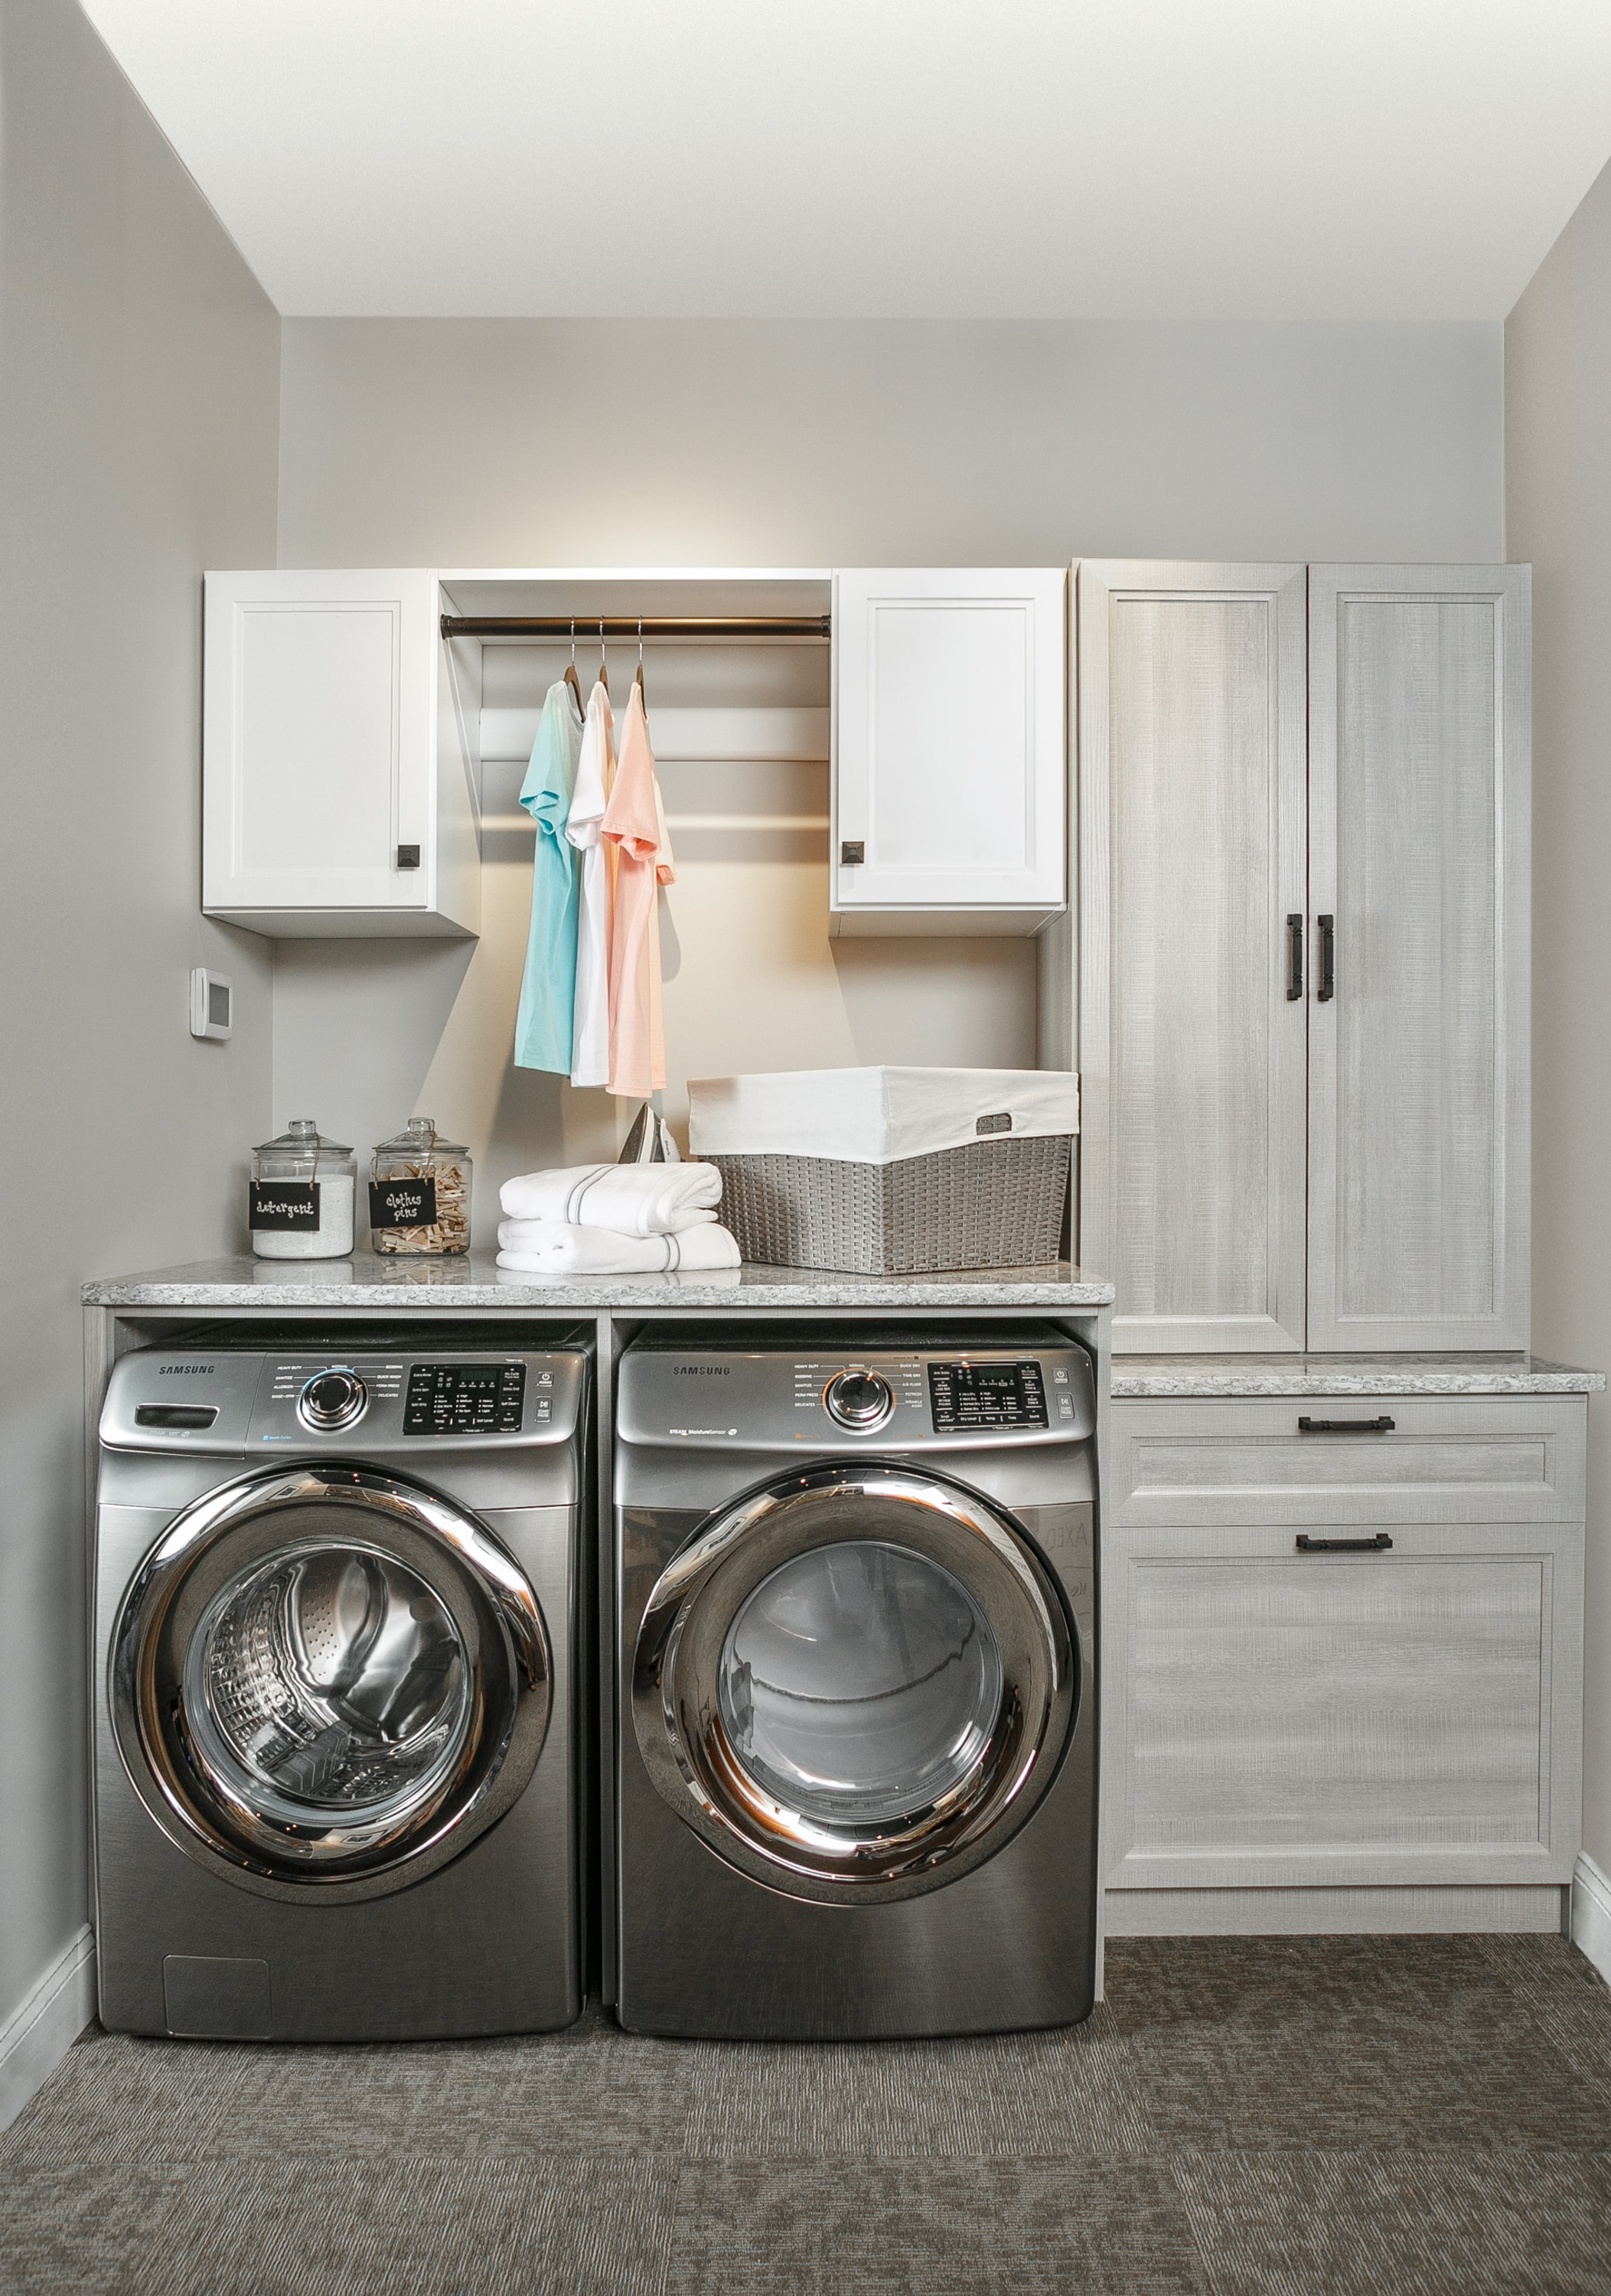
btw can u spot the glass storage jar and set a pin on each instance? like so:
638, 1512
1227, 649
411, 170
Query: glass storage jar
299, 1204
419, 1194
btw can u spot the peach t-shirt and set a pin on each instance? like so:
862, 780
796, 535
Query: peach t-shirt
632, 825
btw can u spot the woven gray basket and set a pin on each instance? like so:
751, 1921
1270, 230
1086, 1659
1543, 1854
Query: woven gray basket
989, 1204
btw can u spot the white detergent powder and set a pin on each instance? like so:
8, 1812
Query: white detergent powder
331, 1240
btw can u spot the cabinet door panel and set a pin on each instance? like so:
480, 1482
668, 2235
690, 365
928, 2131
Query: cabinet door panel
317, 742
950, 739
1402, 1717
1191, 816
1418, 768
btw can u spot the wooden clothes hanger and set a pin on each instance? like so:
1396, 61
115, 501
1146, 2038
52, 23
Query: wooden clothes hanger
604, 666
571, 679
639, 680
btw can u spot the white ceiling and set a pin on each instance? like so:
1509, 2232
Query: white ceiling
1154, 158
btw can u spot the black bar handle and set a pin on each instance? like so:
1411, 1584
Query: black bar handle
1376, 1545
1294, 957
1328, 989
1382, 1426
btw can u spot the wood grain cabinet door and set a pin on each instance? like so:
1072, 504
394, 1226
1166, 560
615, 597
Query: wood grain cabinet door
1192, 701
1418, 767
1280, 1717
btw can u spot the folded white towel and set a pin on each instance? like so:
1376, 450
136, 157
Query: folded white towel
630, 1199
554, 1248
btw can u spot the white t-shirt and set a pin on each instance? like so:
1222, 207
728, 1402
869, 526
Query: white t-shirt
595, 772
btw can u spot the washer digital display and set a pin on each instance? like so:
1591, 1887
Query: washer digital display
455, 1398
986, 1395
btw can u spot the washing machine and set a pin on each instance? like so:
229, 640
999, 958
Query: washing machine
856, 1722
338, 1583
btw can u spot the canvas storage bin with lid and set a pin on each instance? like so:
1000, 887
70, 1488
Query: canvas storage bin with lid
299, 1203
890, 1171
419, 1192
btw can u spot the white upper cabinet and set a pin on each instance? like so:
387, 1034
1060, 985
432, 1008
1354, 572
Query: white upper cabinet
339, 789
1418, 864
949, 743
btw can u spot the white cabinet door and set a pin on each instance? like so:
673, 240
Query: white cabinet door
322, 808
948, 749
1192, 865
1419, 1011
1280, 1717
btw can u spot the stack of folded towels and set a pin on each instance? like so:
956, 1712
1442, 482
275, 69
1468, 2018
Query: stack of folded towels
615, 1219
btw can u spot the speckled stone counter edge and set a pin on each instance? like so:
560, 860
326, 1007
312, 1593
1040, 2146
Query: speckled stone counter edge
368, 1281
1135, 1378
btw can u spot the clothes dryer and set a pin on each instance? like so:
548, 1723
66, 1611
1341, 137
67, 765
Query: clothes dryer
338, 1580
855, 1779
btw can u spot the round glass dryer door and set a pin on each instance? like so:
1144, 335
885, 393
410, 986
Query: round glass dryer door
331, 1679
858, 1682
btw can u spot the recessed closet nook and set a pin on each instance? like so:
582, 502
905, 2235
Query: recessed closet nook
851, 887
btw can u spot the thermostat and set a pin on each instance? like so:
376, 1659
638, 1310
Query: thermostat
212, 1003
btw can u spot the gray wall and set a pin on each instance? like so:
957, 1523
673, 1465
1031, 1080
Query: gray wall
138, 410
579, 443
1558, 448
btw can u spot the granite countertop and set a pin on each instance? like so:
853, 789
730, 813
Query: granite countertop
1135, 1376
367, 1280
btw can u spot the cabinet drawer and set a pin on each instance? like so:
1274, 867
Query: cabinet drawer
1488, 1458
1274, 1717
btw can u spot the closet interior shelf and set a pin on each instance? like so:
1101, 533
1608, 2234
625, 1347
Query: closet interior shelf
818, 627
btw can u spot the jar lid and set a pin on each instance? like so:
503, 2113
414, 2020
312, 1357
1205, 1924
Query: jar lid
302, 1134
419, 1138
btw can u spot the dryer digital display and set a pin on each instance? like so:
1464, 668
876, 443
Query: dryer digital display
965, 1395
453, 1399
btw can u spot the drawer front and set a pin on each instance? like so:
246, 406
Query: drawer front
1274, 1717
1488, 1458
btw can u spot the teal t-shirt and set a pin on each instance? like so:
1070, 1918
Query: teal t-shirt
542, 1031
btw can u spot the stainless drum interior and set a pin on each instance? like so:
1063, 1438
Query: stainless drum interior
330, 1676
860, 1682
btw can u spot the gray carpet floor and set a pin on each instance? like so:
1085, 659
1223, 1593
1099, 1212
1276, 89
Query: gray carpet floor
1279, 2116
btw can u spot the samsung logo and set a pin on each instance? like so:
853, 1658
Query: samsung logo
699, 1370
186, 1371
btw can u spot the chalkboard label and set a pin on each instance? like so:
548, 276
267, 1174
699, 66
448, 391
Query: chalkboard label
402, 1203
283, 1204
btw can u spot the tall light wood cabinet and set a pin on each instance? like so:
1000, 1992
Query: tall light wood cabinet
1302, 963
1191, 1054
1419, 817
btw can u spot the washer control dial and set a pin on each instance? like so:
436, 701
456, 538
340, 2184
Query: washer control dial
332, 1399
859, 1399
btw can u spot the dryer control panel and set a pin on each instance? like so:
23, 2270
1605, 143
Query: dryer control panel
884, 1399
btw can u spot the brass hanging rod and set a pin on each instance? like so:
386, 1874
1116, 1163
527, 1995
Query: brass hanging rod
630, 625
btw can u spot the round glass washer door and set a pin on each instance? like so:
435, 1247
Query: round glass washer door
329, 1680
856, 1683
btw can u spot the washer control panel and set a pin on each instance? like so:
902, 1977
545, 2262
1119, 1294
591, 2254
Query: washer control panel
986, 1395
367, 1401
463, 1399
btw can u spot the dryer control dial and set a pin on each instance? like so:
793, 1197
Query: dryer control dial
332, 1399
859, 1399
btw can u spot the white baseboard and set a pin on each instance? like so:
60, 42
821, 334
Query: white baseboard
1316, 1911
1591, 1914
39, 2032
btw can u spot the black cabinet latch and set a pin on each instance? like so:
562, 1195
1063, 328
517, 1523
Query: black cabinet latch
852, 852
408, 857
